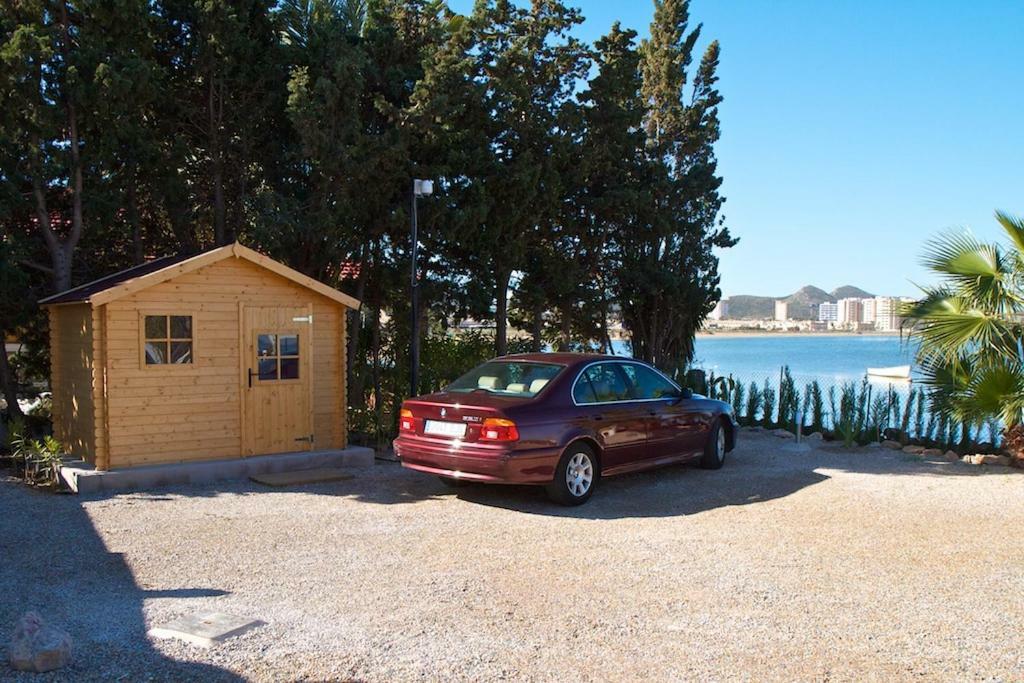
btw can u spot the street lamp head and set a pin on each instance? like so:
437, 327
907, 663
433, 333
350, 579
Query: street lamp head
423, 188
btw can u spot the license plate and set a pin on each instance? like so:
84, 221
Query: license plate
453, 429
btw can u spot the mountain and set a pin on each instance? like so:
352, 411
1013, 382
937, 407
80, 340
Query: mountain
746, 307
850, 292
803, 303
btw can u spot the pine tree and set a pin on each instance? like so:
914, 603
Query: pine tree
668, 270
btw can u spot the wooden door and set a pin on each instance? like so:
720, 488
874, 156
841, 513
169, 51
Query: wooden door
277, 346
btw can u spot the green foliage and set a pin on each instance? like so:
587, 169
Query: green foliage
738, 394
789, 400
768, 402
754, 398
580, 179
970, 326
38, 460
814, 402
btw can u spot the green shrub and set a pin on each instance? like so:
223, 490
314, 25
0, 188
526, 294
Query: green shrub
768, 401
753, 403
737, 399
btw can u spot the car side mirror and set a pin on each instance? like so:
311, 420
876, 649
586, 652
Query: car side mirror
683, 394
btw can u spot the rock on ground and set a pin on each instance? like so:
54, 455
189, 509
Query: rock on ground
37, 646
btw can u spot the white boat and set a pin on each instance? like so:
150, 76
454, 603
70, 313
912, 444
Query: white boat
895, 372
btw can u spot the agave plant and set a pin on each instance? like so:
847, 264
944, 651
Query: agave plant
970, 328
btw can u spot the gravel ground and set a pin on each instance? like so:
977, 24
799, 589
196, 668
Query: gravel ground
829, 564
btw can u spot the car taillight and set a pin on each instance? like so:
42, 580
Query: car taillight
405, 421
498, 429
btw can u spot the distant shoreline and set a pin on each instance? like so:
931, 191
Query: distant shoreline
729, 334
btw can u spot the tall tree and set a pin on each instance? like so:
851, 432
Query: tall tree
527, 65
668, 269
46, 73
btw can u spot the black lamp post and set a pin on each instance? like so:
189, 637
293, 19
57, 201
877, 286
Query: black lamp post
420, 188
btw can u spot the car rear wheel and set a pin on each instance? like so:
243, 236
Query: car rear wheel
714, 449
575, 477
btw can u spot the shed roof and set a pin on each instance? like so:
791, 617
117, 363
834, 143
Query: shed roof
131, 280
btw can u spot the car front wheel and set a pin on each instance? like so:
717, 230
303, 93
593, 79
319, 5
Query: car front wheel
714, 449
575, 477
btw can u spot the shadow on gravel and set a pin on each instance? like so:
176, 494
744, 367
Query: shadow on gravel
55, 563
667, 492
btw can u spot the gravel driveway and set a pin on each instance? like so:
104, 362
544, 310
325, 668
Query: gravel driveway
831, 564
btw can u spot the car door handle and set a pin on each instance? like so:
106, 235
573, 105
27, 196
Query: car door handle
597, 418
652, 413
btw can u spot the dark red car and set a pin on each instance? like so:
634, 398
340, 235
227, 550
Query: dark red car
562, 420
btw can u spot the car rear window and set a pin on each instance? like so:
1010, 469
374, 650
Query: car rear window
510, 378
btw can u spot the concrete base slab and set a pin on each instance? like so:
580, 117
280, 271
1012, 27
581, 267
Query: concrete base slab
83, 478
299, 477
205, 629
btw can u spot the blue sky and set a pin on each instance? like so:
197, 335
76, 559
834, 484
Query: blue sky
854, 131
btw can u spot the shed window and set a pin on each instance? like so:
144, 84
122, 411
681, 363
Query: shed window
278, 356
168, 339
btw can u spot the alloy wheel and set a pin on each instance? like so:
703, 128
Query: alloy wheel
579, 474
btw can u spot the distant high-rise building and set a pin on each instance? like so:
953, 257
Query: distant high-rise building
887, 313
849, 311
781, 310
828, 313
868, 311
720, 311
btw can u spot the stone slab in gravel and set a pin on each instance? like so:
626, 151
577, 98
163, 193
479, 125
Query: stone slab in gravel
836, 564
300, 477
205, 629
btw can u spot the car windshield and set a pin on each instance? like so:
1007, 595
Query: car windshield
511, 378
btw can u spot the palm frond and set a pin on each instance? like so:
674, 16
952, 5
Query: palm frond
1014, 228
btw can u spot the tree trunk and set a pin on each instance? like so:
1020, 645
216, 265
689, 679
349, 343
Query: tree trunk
10, 387
538, 327
566, 328
378, 394
355, 325
501, 313
216, 111
138, 255
61, 249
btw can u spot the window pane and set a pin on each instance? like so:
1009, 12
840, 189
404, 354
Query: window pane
268, 368
289, 368
156, 353
181, 327
609, 384
266, 345
524, 378
583, 392
156, 327
181, 352
289, 345
648, 384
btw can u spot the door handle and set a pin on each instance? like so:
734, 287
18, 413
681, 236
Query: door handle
250, 378
597, 418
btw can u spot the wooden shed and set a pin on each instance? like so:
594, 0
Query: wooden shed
224, 354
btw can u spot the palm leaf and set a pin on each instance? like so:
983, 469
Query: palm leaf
1014, 228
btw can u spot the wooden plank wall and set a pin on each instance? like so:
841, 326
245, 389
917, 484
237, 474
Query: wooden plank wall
160, 414
71, 359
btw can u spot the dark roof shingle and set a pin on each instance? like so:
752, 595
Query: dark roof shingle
83, 292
